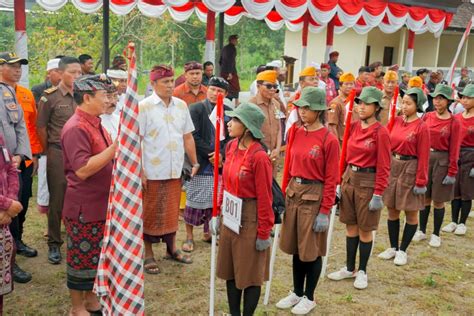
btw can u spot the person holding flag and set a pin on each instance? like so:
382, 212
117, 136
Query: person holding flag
390, 82
445, 135
464, 187
410, 141
363, 184
309, 197
337, 107
246, 199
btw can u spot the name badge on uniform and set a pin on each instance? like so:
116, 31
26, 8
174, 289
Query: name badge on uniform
6, 156
232, 211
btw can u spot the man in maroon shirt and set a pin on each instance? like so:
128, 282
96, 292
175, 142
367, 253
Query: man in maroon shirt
88, 153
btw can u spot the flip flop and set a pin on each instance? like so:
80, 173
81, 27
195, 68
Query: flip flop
179, 257
150, 266
188, 245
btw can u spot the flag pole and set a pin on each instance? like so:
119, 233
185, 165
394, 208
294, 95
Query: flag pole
220, 107
342, 166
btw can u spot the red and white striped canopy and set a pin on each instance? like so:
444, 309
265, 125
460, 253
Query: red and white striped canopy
360, 15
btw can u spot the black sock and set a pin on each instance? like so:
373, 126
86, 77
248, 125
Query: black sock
234, 295
408, 233
465, 209
298, 275
424, 214
393, 232
351, 251
313, 271
438, 220
365, 250
455, 208
251, 296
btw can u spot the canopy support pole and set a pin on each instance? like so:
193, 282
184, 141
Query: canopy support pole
304, 41
329, 39
21, 39
105, 35
210, 50
220, 41
410, 51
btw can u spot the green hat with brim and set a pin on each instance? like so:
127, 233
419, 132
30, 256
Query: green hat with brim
370, 95
444, 91
251, 116
312, 97
468, 91
420, 97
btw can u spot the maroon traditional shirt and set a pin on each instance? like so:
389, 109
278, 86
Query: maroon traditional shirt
83, 137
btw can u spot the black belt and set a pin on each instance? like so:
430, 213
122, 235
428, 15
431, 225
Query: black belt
403, 157
55, 146
306, 181
467, 148
438, 151
366, 170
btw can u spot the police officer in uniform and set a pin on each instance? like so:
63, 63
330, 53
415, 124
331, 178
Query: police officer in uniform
55, 108
13, 129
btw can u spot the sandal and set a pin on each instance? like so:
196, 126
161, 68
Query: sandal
188, 245
150, 266
179, 257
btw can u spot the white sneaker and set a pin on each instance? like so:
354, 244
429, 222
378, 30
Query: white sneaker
435, 241
460, 230
451, 227
388, 254
361, 280
401, 258
341, 275
291, 300
303, 307
419, 236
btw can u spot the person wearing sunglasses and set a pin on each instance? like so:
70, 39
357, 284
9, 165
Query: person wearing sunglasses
266, 100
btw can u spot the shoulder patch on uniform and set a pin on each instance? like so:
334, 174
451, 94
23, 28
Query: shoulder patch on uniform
7, 94
12, 106
43, 99
50, 90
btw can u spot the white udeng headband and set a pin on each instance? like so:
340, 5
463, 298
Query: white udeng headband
52, 64
117, 74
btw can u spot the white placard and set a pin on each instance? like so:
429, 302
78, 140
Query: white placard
232, 211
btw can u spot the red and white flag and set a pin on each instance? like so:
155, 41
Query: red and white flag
458, 51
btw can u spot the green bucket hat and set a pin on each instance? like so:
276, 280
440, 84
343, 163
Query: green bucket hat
251, 116
314, 98
443, 90
420, 97
468, 91
370, 95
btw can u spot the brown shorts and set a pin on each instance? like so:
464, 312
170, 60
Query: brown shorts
237, 258
399, 193
303, 202
437, 171
357, 190
464, 187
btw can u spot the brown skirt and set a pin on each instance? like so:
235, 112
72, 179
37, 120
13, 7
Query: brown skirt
303, 202
438, 169
161, 207
464, 187
238, 259
357, 190
399, 193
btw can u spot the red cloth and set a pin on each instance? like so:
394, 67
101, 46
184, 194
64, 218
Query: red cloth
412, 139
331, 92
467, 130
370, 147
83, 137
253, 180
446, 136
315, 156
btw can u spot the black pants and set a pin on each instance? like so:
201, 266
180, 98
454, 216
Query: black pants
24, 195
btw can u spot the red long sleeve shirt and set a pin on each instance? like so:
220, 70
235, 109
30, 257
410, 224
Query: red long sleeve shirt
445, 135
370, 147
315, 156
412, 139
251, 178
467, 130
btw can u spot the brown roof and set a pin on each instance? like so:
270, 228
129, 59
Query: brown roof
463, 15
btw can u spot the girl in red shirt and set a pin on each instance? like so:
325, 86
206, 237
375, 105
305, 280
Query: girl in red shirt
445, 139
246, 199
313, 173
464, 187
410, 140
363, 183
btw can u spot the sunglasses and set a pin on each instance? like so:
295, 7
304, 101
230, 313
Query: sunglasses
270, 86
